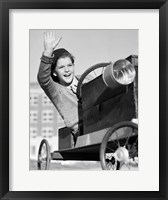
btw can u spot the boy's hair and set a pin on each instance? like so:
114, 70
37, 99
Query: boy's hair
61, 53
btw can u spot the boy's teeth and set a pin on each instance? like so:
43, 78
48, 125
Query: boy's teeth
67, 75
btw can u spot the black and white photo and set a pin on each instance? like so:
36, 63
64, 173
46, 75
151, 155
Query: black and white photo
84, 99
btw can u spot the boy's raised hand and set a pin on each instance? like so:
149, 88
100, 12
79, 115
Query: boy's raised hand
50, 42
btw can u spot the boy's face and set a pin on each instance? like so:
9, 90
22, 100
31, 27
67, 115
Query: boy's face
65, 71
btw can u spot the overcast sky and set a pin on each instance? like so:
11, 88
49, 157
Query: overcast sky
88, 46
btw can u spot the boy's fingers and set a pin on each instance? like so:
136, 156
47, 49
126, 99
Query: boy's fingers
59, 39
50, 33
57, 42
54, 34
44, 35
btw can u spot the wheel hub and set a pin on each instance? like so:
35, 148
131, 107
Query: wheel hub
121, 154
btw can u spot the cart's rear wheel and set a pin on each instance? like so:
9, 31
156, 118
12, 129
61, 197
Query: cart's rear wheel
90, 74
119, 148
44, 156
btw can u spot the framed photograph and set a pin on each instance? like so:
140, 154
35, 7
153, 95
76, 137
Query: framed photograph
48, 131
83, 99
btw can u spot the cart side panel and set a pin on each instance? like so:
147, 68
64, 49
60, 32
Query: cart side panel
65, 139
109, 112
96, 92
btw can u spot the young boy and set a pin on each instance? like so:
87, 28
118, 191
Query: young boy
57, 78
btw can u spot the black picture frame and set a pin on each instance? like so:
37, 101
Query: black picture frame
5, 6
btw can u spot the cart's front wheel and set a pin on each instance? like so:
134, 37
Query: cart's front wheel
44, 156
119, 148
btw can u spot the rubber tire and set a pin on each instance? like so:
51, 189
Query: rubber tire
108, 135
44, 142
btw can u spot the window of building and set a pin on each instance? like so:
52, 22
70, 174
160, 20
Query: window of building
46, 101
47, 116
33, 132
33, 116
47, 132
33, 99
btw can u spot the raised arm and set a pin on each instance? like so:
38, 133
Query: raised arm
44, 73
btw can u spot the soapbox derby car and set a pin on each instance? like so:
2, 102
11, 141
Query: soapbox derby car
110, 109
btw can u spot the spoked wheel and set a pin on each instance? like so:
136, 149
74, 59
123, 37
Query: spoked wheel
44, 156
119, 148
90, 74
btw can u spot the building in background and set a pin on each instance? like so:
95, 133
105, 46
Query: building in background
44, 120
